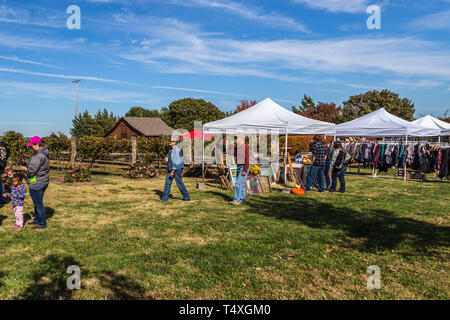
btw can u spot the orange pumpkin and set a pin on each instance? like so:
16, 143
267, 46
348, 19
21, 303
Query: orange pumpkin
298, 191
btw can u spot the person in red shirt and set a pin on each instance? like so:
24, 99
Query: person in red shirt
242, 158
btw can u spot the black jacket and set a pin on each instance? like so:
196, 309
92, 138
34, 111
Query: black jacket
4, 155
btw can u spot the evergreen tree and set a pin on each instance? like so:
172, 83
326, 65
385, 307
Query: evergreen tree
141, 112
307, 105
98, 126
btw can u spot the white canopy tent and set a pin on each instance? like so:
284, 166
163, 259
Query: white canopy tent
381, 123
268, 115
433, 123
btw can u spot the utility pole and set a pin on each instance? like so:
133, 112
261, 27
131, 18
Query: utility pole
76, 97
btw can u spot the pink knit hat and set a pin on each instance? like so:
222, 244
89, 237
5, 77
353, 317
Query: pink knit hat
34, 140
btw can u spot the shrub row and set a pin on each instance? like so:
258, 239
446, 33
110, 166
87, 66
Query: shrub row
89, 148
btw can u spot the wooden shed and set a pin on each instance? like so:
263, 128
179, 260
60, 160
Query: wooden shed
128, 127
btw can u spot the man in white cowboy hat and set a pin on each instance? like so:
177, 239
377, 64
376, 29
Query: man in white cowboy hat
175, 165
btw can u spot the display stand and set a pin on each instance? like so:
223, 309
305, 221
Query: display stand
289, 171
223, 177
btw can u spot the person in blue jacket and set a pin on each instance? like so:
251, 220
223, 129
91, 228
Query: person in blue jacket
175, 165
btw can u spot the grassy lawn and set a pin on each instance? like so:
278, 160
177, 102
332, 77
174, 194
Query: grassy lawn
279, 246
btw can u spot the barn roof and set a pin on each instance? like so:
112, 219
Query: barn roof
149, 127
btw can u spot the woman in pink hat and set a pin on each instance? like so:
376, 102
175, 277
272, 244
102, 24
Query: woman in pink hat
37, 178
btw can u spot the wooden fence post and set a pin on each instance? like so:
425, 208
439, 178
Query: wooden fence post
73, 154
133, 150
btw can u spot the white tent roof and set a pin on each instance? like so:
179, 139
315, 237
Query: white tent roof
381, 123
432, 122
269, 115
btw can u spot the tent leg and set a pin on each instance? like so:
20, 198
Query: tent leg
285, 155
201, 185
404, 172
203, 157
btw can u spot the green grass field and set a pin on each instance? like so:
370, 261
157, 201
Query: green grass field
279, 246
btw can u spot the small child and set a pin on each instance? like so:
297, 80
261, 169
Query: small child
17, 196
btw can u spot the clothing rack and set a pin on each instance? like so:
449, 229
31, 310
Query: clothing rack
400, 142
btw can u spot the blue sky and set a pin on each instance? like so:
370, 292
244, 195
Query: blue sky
152, 52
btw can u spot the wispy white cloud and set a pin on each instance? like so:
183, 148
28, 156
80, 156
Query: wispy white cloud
185, 50
435, 21
33, 43
425, 83
52, 75
173, 46
17, 59
60, 91
66, 92
364, 86
347, 6
199, 90
39, 17
272, 19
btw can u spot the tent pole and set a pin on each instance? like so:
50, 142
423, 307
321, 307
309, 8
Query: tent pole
203, 155
285, 155
404, 172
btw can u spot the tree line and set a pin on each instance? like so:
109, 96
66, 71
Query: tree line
182, 113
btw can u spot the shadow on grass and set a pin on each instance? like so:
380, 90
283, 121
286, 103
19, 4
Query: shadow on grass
159, 193
49, 213
2, 276
2, 218
49, 281
377, 229
120, 286
3, 204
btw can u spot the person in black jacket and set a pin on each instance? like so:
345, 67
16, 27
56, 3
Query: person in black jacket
4, 155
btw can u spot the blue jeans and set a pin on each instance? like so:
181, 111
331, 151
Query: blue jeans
315, 174
239, 187
2, 200
327, 174
180, 184
38, 200
338, 174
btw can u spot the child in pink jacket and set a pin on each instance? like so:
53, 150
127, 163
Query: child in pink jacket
17, 196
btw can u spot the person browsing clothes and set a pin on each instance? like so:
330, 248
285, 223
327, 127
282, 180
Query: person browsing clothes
338, 164
317, 172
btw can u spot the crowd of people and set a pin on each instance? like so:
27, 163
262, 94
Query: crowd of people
324, 159
36, 175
